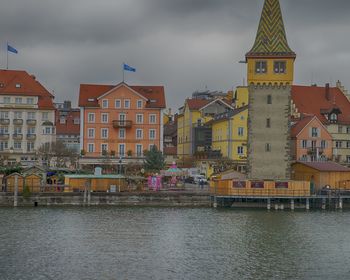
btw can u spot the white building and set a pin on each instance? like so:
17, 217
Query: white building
27, 118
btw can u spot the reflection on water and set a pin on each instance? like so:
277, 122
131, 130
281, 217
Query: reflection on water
171, 243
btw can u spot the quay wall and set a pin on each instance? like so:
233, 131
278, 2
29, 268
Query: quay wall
178, 199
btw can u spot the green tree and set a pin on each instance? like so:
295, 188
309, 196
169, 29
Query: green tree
154, 160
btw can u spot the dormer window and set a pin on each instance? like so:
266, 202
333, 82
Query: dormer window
18, 85
333, 117
260, 67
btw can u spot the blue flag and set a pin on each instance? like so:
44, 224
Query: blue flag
129, 68
11, 49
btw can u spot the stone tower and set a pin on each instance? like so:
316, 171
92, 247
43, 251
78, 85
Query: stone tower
270, 65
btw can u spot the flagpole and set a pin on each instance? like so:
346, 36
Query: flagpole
123, 72
7, 56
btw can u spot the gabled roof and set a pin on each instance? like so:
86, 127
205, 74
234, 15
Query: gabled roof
89, 94
198, 104
300, 125
17, 82
328, 166
271, 39
313, 100
228, 115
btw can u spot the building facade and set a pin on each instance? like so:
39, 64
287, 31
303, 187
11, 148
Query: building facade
332, 108
68, 126
120, 121
270, 71
27, 118
311, 141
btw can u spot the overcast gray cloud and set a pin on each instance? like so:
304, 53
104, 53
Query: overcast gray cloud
181, 44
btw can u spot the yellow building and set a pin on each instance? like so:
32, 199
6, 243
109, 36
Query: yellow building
193, 132
229, 135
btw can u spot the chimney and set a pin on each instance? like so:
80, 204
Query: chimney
328, 93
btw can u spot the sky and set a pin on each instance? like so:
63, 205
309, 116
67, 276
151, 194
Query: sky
184, 45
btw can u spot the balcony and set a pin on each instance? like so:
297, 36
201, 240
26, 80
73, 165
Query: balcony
17, 136
31, 122
315, 150
122, 124
18, 122
4, 121
31, 136
4, 136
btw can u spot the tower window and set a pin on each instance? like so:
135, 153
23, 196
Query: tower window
268, 123
260, 67
280, 67
267, 147
269, 99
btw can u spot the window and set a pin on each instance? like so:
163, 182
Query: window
240, 131
91, 133
139, 118
7, 100
127, 103
17, 130
122, 133
30, 100
240, 150
91, 117
30, 146
338, 144
105, 103
76, 121
62, 120
104, 133
267, 147
152, 118
139, 134
31, 115
303, 158
91, 148
139, 150
18, 85
151, 146
47, 130
117, 103
348, 159
280, 67
4, 115
139, 104
18, 100
340, 129
45, 116
268, 123
333, 117
31, 130
348, 144
3, 146
104, 148
4, 130
260, 67
104, 117
121, 150
269, 99
17, 145
17, 115
122, 117
304, 144
314, 132
323, 144
152, 134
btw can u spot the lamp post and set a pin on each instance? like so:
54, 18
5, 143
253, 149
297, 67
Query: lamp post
119, 170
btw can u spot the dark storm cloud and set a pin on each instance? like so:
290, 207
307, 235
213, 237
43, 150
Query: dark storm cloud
182, 44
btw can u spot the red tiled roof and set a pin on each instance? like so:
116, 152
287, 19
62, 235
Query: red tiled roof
299, 126
28, 86
328, 166
196, 104
69, 127
154, 94
312, 100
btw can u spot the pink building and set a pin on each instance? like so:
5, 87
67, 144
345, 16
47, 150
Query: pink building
310, 140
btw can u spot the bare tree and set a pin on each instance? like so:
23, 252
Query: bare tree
58, 151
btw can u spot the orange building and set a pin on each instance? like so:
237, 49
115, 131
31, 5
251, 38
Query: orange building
310, 140
120, 120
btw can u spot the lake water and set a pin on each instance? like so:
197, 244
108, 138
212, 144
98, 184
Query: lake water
172, 243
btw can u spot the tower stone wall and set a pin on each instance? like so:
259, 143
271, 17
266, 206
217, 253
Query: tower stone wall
265, 164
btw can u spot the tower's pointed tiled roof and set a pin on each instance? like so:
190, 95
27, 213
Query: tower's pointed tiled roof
271, 38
